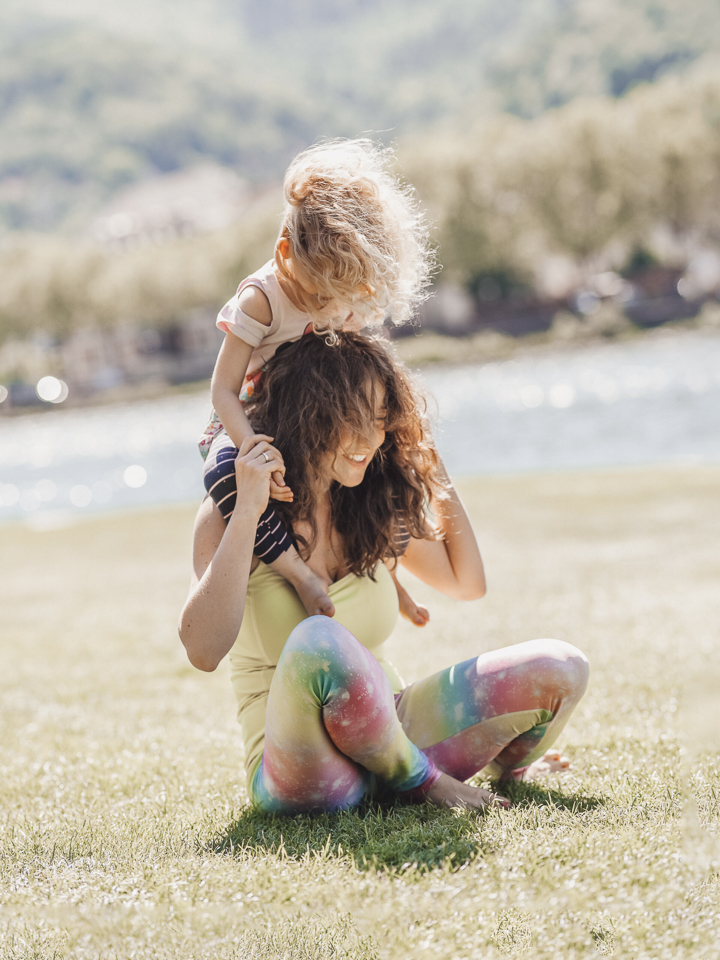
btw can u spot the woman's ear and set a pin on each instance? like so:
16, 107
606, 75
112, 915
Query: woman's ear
284, 248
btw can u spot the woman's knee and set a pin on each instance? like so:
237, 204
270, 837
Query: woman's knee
322, 636
324, 658
568, 665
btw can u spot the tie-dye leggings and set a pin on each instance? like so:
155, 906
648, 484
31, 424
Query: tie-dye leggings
334, 732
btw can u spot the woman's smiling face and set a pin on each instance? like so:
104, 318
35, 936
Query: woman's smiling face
348, 464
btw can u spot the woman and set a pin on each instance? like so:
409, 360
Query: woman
325, 718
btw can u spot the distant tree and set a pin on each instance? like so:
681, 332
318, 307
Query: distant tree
90, 101
588, 177
578, 173
54, 285
471, 190
679, 123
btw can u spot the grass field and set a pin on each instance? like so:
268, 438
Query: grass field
124, 826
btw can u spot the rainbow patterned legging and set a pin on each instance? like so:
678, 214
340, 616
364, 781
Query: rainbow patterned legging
335, 733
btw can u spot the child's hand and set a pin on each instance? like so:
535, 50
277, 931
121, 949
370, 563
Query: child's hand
256, 462
279, 490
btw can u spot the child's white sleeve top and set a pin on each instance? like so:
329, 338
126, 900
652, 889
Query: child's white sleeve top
288, 322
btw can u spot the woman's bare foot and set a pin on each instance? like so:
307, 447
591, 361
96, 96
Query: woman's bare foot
414, 612
449, 792
552, 762
311, 588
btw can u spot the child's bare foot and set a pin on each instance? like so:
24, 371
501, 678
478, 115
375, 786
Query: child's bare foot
414, 612
311, 588
313, 594
449, 792
552, 762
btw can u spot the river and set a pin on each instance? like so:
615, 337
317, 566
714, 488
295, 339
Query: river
653, 399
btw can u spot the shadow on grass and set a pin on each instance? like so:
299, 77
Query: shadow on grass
386, 835
376, 836
538, 794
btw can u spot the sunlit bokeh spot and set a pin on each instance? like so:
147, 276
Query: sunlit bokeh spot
561, 395
9, 494
80, 495
45, 490
135, 475
52, 390
4, 393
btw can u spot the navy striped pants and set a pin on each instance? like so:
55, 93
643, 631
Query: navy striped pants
271, 539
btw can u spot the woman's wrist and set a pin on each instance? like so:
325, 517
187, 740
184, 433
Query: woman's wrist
246, 515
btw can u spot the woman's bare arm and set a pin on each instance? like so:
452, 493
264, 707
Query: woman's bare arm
453, 564
222, 558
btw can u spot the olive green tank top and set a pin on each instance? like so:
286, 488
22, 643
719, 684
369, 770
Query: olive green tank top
367, 608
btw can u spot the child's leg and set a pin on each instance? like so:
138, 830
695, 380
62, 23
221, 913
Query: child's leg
330, 725
502, 709
311, 588
416, 613
272, 541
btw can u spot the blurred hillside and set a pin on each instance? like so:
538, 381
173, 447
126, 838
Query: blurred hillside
525, 212
96, 96
568, 152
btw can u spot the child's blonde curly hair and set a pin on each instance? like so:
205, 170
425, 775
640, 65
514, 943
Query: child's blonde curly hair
357, 233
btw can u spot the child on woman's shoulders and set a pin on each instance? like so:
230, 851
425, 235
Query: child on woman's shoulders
352, 250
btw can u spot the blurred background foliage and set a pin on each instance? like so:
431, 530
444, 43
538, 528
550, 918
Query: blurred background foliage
582, 129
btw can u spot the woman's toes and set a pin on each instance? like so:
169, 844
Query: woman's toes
501, 801
556, 761
484, 799
551, 762
448, 792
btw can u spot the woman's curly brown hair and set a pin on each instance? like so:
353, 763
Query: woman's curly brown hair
313, 396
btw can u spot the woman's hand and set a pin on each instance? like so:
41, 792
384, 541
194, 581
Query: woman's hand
259, 470
222, 557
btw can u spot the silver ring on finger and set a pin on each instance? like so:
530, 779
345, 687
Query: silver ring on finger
267, 458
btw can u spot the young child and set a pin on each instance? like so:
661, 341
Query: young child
352, 249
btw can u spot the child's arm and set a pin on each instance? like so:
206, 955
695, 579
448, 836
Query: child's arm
229, 374
227, 380
231, 367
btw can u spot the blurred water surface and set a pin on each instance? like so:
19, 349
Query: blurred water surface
651, 400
